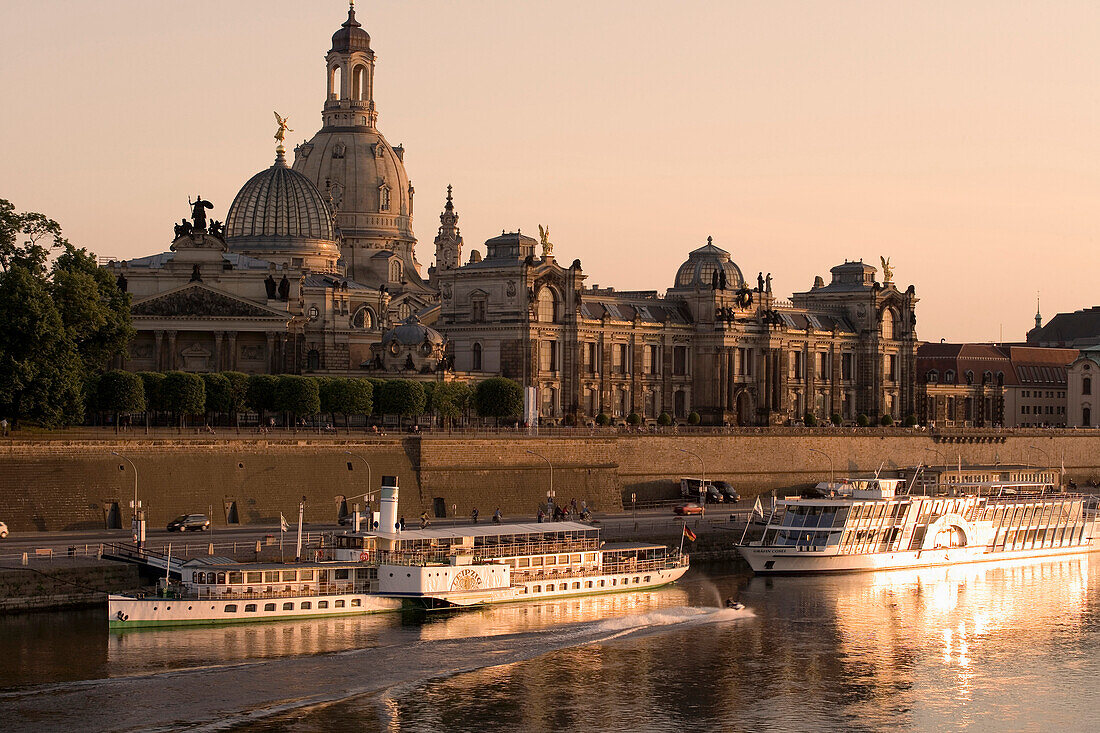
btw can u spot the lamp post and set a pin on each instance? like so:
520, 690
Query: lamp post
830, 459
1035, 447
369, 494
550, 492
702, 475
138, 520
941, 455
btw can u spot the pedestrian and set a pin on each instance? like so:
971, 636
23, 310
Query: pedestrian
541, 515
497, 516
401, 524
573, 505
473, 515
424, 519
4, 426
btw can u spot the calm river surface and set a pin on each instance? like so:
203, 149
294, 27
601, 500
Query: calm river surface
996, 647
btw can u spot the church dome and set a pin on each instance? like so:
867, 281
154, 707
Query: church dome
351, 36
698, 271
280, 212
411, 332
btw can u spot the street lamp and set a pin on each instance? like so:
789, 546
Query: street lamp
702, 476
550, 493
943, 477
368, 494
1035, 447
830, 459
138, 520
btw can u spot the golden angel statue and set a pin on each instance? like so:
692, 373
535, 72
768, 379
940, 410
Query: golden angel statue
887, 271
284, 128
544, 237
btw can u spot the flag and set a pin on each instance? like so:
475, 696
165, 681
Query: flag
688, 533
758, 508
283, 526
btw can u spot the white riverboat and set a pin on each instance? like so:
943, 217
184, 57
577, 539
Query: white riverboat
868, 524
369, 571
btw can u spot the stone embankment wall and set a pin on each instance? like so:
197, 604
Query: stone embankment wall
73, 485
66, 584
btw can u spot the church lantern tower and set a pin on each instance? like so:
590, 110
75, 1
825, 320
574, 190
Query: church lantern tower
448, 243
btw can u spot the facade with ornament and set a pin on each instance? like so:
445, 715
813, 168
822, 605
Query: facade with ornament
315, 272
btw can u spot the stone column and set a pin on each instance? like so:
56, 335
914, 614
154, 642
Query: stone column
219, 363
271, 353
171, 350
158, 351
232, 350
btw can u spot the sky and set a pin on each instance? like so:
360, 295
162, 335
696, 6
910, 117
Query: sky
957, 138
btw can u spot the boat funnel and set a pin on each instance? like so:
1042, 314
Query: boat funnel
388, 519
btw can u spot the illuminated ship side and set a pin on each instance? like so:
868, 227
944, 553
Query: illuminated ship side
867, 525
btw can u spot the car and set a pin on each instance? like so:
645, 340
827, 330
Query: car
3, 531
194, 522
727, 491
348, 520
714, 496
688, 509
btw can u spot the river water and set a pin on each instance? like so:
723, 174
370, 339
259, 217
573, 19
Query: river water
990, 647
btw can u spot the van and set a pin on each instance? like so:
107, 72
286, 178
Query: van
689, 489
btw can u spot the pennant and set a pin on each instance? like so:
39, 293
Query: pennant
283, 526
688, 533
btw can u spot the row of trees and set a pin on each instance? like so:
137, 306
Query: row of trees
293, 397
63, 321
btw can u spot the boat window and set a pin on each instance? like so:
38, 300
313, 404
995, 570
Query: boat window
235, 578
289, 575
198, 577
269, 606
250, 608
524, 562
590, 557
574, 558
356, 601
288, 606
614, 581
307, 605
537, 589
537, 562
576, 585
271, 576
601, 583
306, 575
646, 578
588, 584
231, 608
221, 578
253, 577
341, 574
322, 604
339, 604
549, 587
563, 559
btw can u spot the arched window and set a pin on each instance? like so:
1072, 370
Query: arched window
547, 306
359, 83
476, 361
313, 360
949, 377
364, 319
1000, 379
334, 78
888, 324
383, 197
395, 271
1086, 385
404, 311
970, 377
1086, 417
932, 376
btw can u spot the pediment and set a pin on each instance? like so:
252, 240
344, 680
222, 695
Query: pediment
196, 300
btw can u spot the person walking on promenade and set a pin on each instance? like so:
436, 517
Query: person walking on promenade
473, 515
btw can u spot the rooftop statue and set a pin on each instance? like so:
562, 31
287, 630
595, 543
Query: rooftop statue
544, 237
284, 128
887, 271
198, 213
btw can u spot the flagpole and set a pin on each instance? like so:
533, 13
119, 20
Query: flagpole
282, 523
683, 533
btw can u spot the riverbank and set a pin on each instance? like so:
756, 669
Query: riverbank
64, 583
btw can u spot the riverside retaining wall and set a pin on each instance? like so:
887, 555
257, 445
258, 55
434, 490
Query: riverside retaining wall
52, 485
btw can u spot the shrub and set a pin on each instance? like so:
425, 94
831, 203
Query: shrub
260, 393
862, 421
634, 419
664, 419
219, 397
886, 421
910, 420
119, 391
152, 382
603, 419
810, 420
693, 418
835, 418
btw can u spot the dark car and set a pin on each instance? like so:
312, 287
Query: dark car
727, 490
194, 522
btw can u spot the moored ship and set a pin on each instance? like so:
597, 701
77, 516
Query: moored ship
387, 568
866, 524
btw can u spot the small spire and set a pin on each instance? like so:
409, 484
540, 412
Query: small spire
450, 203
710, 241
1038, 316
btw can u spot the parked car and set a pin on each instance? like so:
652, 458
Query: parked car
689, 509
727, 490
194, 522
348, 520
3, 531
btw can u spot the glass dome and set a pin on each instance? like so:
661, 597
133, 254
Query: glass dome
701, 265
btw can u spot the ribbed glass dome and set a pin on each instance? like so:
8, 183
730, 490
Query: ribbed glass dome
278, 203
701, 265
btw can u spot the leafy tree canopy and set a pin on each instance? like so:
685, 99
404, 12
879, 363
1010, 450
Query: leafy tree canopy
299, 396
183, 393
260, 392
450, 399
499, 397
120, 391
152, 382
402, 397
219, 392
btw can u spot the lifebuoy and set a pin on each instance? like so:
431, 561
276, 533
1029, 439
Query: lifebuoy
364, 556
122, 616
320, 554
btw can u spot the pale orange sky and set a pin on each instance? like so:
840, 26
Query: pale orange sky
958, 138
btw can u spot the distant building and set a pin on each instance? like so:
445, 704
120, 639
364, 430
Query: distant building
1073, 330
1081, 388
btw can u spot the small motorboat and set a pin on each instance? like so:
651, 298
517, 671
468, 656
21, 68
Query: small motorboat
735, 604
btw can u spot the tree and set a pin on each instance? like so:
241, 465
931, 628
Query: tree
634, 419
910, 420
862, 420
332, 392
450, 400
184, 394
118, 392
886, 421
498, 397
693, 418
603, 419
297, 396
41, 378
152, 382
810, 420
219, 393
664, 419
260, 393
403, 397
835, 418
359, 398
376, 385
22, 239
238, 394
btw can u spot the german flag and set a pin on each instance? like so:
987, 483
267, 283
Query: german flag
688, 533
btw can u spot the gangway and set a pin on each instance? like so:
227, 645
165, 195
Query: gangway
150, 559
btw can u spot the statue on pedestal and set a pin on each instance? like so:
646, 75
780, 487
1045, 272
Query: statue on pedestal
198, 213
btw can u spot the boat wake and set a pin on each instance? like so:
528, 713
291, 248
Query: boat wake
258, 692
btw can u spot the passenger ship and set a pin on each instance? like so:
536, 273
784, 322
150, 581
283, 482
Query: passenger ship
867, 525
363, 572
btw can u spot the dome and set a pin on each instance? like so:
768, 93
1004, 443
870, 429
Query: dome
411, 332
351, 36
280, 211
701, 265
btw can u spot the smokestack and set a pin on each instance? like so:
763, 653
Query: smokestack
388, 510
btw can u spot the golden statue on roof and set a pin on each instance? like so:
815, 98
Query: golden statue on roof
887, 271
544, 236
284, 128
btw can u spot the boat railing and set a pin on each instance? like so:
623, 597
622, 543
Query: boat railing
642, 566
201, 594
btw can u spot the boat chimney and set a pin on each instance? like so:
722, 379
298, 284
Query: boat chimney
388, 514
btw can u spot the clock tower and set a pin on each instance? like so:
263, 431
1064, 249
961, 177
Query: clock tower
448, 243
